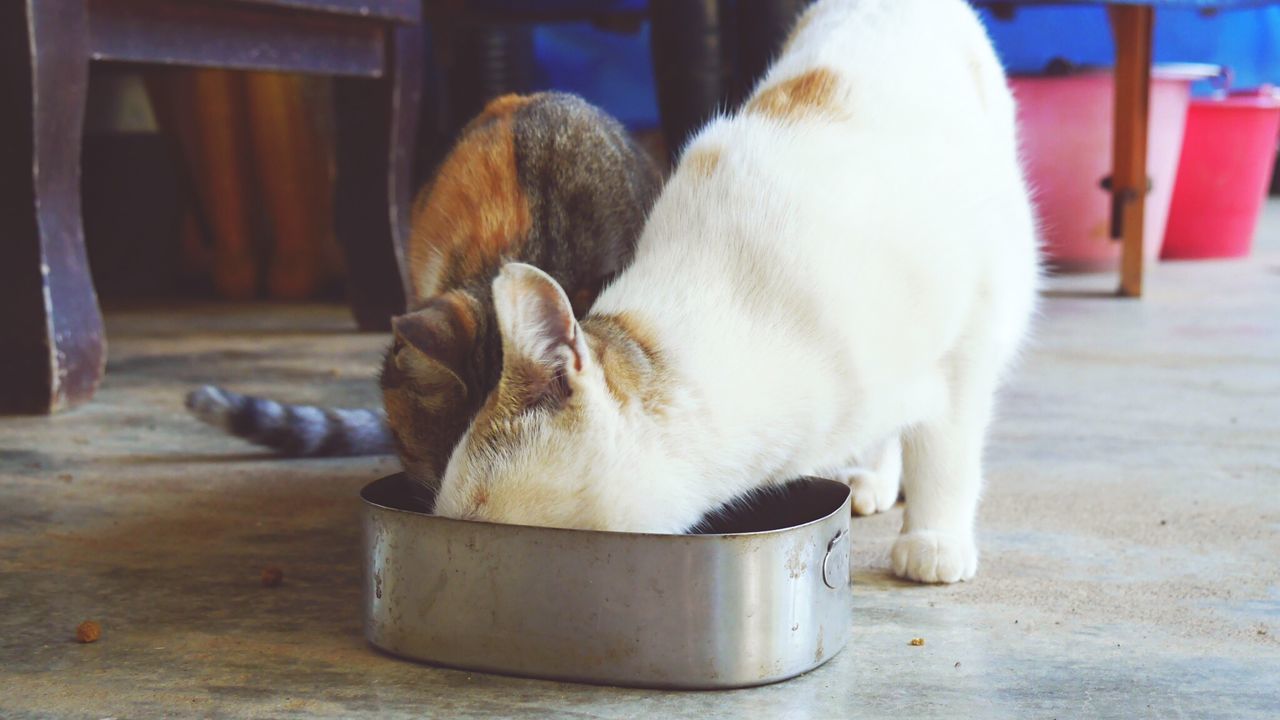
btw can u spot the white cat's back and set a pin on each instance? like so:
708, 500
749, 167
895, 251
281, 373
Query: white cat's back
847, 260
902, 164
870, 215
910, 60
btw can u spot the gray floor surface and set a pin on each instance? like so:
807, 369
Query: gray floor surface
1130, 536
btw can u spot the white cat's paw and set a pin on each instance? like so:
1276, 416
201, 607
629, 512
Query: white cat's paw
872, 492
935, 557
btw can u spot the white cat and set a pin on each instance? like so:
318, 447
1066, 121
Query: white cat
849, 259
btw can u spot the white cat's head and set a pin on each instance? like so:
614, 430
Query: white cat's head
558, 442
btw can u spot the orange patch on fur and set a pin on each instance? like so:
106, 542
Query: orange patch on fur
505, 105
702, 159
625, 348
810, 94
634, 328
475, 212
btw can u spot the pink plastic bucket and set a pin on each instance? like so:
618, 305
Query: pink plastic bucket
1228, 153
1065, 127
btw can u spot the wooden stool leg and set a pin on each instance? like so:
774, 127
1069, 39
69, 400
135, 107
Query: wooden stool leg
373, 194
1132, 27
52, 346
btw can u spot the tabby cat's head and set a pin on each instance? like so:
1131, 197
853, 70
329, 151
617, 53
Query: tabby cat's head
428, 383
547, 179
563, 440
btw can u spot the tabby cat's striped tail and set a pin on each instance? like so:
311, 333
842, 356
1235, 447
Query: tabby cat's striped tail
298, 430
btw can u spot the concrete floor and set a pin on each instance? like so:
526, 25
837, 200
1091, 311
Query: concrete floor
1130, 536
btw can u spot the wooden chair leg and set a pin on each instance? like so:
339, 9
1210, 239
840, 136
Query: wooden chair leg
1132, 27
376, 129
52, 345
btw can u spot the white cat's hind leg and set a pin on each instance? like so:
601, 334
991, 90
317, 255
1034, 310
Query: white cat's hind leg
875, 482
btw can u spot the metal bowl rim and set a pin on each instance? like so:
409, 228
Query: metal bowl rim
842, 506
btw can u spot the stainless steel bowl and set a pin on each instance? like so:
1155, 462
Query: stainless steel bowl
761, 596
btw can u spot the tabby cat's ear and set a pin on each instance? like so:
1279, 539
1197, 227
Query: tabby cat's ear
435, 341
539, 333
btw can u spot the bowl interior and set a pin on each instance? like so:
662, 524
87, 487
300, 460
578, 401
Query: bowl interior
795, 503
777, 508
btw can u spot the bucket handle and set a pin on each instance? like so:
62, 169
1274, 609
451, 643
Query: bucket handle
831, 575
1223, 81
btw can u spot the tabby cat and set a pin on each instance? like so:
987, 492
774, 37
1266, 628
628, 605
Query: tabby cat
833, 268
546, 179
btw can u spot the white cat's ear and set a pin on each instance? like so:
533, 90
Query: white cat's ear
541, 340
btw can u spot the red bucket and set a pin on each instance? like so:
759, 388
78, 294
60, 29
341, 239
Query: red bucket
1228, 152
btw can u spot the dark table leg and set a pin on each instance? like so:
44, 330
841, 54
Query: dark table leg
376, 131
1132, 27
52, 346
763, 27
688, 66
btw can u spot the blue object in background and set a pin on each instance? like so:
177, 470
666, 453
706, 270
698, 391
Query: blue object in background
610, 69
558, 6
1247, 41
614, 71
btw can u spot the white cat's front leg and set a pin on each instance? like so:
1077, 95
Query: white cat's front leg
942, 477
874, 478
